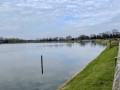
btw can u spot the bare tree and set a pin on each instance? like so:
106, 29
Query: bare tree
69, 37
115, 33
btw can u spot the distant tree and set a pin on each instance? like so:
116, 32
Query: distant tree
61, 39
83, 37
69, 37
1, 39
108, 34
56, 38
93, 36
99, 36
115, 33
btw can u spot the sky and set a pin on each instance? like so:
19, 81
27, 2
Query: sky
31, 19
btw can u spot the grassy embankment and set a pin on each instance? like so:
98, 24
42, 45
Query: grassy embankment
98, 75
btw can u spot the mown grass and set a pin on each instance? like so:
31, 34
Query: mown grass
98, 75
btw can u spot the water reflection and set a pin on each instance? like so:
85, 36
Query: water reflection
70, 44
81, 44
20, 64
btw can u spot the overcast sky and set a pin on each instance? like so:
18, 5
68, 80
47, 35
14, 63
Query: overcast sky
32, 19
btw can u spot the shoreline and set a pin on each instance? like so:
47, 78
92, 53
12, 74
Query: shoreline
80, 71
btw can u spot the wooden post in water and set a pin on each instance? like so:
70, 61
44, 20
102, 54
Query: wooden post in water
42, 64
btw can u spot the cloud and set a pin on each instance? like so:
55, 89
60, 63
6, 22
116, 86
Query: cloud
9, 28
43, 16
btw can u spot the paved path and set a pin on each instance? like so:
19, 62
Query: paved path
116, 83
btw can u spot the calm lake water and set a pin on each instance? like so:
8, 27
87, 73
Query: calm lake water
20, 64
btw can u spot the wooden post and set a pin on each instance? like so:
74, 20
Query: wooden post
116, 60
110, 43
42, 64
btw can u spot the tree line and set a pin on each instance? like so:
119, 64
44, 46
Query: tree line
105, 35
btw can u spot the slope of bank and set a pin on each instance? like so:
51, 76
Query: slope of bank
98, 75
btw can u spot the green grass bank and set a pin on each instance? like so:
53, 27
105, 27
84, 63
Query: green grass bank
98, 75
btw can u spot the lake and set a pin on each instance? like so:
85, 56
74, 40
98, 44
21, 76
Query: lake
20, 64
